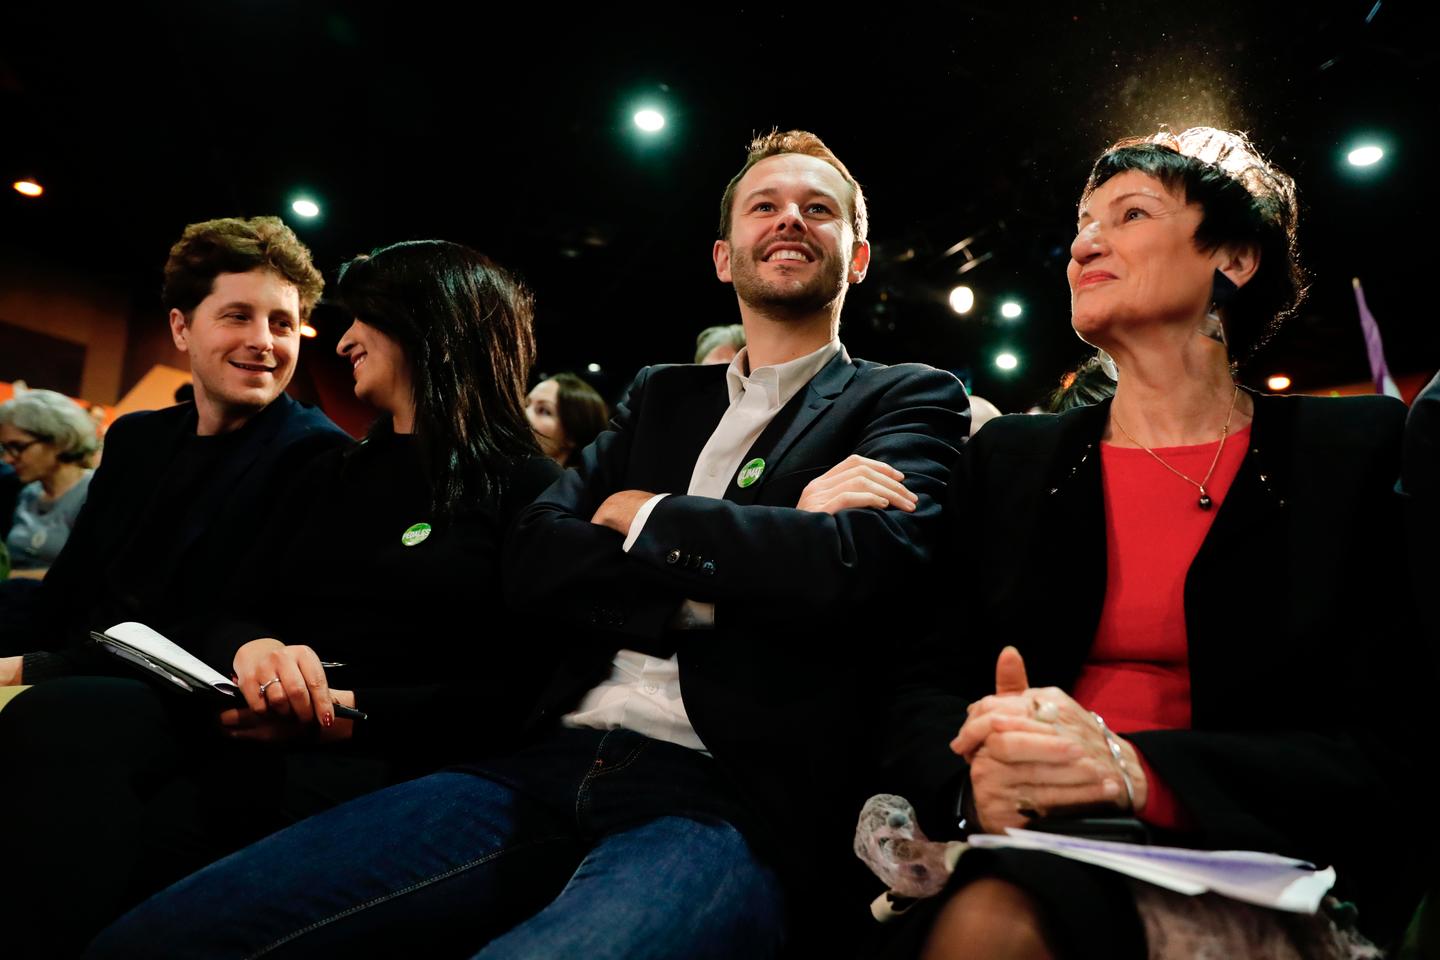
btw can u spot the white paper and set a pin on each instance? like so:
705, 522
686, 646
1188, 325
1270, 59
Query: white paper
1266, 879
168, 654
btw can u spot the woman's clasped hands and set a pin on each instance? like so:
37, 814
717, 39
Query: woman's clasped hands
1035, 752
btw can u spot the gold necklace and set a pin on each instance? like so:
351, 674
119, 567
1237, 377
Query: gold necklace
1205, 502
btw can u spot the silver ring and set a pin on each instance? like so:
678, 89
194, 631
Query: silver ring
266, 684
1046, 711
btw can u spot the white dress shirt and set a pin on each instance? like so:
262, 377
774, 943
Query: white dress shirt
642, 692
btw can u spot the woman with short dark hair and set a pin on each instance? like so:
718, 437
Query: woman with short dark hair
1200, 565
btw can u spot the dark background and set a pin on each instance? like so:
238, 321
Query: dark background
512, 133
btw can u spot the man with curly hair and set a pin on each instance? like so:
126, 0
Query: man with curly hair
181, 490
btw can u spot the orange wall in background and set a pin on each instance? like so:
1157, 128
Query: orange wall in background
89, 313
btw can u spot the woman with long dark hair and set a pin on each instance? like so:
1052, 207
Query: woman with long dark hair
396, 540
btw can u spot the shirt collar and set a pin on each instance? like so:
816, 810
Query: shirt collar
780, 381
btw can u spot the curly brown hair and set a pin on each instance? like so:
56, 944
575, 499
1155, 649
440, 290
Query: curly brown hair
775, 143
236, 245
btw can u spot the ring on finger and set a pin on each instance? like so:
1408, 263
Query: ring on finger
267, 683
1046, 711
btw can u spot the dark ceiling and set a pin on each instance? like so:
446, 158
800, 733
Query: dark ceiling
513, 134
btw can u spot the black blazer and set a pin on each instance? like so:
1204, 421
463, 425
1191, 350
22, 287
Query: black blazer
223, 516
1308, 678
807, 605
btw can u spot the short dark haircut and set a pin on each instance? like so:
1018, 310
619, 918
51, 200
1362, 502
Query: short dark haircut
232, 245
465, 325
1244, 201
582, 412
775, 143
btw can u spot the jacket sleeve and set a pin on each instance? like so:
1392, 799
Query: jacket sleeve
939, 676
779, 564
559, 564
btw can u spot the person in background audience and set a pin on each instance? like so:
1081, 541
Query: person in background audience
1086, 384
719, 344
566, 413
47, 438
1217, 573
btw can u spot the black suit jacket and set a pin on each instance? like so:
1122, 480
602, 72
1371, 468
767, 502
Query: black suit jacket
807, 605
221, 519
1308, 678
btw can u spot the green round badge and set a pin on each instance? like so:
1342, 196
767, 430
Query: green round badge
416, 534
750, 472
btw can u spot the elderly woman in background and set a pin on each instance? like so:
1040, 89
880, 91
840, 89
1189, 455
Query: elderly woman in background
566, 413
47, 438
1215, 572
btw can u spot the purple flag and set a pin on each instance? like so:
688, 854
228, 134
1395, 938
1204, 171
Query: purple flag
1384, 383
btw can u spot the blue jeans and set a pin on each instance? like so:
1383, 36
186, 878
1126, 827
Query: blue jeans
539, 857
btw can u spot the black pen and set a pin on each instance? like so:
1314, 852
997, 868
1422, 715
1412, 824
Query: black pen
349, 713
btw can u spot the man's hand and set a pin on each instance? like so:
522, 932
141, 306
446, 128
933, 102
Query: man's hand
11, 671
619, 509
854, 482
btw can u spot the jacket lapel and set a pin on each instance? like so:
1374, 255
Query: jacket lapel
791, 423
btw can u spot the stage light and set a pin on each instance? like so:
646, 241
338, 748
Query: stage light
1010, 310
1007, 361
1278, 383
28, 187
306, 208
962, 299
308, 331
651, 121
1365, 156
593, 367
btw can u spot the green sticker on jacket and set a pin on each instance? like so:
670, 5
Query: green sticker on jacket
416, 534
750, 472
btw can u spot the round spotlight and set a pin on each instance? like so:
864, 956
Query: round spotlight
306, 208
1278, 383
1007, 361
28, 187
593, 367
962, 299
651, 121
308, 331
1010, 310
1365, 156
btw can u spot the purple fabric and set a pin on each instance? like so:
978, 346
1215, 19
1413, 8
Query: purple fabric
1384, 383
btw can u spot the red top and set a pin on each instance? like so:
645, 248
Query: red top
1138, 674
